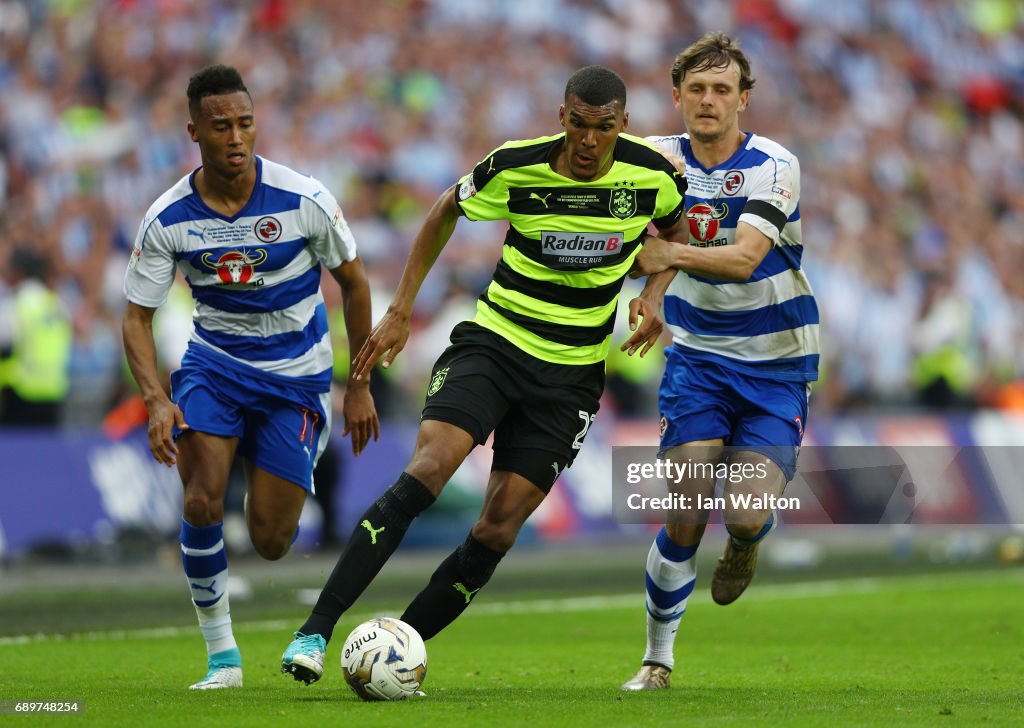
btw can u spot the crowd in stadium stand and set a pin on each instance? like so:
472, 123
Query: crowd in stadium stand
906, 116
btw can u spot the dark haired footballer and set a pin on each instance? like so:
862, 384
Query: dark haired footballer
250, 237
529, 366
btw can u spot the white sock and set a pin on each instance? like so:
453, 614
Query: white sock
215, 624
206, 571
671, 575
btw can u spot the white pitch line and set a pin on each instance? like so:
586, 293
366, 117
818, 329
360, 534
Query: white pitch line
765, 593
772, 592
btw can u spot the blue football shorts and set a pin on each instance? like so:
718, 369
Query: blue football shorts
701, 400
281, 429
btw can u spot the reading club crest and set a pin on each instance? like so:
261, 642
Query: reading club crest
437, 381
623, 201
267, 229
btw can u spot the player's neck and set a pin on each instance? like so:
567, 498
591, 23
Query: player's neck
559, 162
226, 195
711, 154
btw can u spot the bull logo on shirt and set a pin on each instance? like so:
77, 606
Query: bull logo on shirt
704, 220
235, 266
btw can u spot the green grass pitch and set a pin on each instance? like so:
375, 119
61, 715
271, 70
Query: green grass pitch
917, 650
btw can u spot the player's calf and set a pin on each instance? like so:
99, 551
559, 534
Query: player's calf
670, 577
736, 567
452, 587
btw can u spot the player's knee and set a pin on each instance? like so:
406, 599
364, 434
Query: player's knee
497, 535
431, 469
746, 526
272, 550
271, 546
200, 510
270, 540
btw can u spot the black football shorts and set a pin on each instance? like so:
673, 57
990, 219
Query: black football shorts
539, 412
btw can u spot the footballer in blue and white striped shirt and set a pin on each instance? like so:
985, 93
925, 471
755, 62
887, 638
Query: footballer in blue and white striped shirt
250, 237
744, 324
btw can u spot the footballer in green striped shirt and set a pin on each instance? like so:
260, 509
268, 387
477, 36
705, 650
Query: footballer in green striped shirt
529, 366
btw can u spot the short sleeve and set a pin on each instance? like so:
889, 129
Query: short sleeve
774, 196
671, 148
671, 197
150, 271
482, 194
329, 235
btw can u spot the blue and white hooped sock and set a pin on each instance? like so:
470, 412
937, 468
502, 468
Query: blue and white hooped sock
206, 570
671, 575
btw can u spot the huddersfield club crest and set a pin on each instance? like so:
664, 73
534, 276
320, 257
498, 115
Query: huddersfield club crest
437, 381
623, 200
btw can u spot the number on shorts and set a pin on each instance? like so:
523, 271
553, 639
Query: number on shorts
588, 420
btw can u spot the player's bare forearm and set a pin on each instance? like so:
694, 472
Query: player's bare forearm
164, 415
656, 255
386, 340
656, 285
360, 413
388, 337
735, 262
724, 263
356, 304
140, 351
645, 313
434, 234
646, 324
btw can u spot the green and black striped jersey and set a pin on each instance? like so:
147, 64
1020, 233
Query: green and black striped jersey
569, 244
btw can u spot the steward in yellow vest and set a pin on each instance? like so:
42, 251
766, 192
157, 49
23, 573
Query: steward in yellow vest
35, 376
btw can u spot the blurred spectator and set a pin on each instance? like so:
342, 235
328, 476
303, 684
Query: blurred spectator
34, 375
906, 115
943, 368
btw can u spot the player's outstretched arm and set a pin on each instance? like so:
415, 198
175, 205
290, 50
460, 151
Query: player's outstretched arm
358, 408
735, 262
645, 314
390, 334
645, 310
140, 350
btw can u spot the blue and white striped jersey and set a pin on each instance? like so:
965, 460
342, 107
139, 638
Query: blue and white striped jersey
255, 276
766, 326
